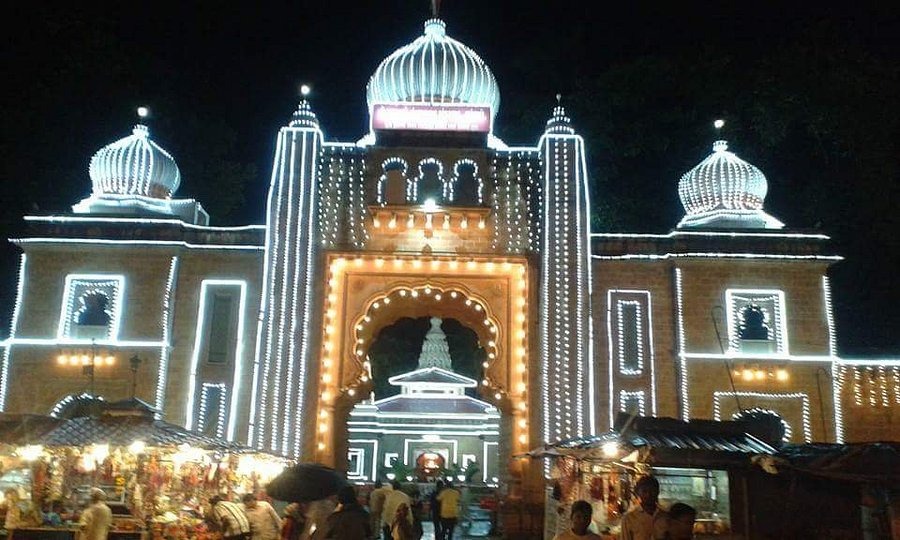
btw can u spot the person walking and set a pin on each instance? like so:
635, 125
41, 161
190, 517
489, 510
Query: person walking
449, 503
581, 521
96, 518
376, 505
435, 507
229, 518
293, 523
402, 527
392, 502
264, 521
646, 521
350, 521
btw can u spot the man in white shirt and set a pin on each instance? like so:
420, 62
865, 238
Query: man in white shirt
229, 518
96, 518
646, 521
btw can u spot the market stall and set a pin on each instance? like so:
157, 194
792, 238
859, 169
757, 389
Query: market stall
157, 476
699, 463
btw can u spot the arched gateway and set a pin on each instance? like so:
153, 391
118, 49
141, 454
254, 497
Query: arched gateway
492, 236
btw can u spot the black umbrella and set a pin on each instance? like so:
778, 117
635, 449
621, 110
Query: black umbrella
305, 482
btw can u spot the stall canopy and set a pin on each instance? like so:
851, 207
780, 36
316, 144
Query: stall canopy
667, 441
117, 423
875, 463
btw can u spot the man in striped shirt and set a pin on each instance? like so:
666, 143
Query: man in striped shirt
229, 518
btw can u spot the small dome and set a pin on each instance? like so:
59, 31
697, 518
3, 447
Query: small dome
134, 165
434, 68
724, 190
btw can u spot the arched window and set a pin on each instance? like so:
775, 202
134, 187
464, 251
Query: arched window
466, 189
393, 186
781, 429
91, 306
430, 184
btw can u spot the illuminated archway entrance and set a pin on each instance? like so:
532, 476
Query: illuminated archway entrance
367, 293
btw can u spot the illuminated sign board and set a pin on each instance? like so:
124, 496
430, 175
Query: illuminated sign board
431, 117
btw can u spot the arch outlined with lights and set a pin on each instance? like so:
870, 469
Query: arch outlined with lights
413, 194
393, 161
452, 185
412, 291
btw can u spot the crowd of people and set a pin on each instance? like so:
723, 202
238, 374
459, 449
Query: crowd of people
645, 521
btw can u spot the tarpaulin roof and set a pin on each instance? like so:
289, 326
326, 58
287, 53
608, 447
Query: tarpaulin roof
877, 462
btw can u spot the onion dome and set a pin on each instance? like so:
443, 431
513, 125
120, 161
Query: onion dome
134, 165
724, 191
434, 68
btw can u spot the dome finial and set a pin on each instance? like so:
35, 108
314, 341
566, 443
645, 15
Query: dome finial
143, 112
559, 122
304, 115
435, 8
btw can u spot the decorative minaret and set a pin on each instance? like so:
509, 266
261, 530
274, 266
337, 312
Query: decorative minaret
288, 324
435, 349
565, 342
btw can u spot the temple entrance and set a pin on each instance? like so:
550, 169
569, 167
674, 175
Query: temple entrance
429, 466
366, 294
428, 407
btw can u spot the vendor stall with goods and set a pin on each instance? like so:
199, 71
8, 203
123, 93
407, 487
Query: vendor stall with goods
157, 476
700, 463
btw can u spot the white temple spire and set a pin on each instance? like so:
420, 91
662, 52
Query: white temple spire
435, 349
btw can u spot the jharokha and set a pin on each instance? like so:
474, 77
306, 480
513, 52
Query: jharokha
261, 334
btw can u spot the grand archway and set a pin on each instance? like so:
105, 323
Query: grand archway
366, 293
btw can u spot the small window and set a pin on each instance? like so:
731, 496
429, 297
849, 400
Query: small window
756, 321
632, 402
430, 184
211, 421
631, 349
91, 307
466, 189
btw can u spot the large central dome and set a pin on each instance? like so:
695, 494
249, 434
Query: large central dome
434, 68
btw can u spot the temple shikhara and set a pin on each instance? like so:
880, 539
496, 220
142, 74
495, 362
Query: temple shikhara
261, 334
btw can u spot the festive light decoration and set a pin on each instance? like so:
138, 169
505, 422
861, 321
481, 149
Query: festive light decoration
836, 370
682, 360
288, 296
13, 328
64, 402
564, 296
788, 431
201, 327
140, 221
715, 234
207, 404
764, 397
719, 255
638, 300
135, 243
434, 68
166, 325
78, 288
726, 190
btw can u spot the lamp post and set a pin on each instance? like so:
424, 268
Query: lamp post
134, 363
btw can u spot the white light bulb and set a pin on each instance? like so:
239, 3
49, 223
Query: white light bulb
143, 112
305, 89
718, 123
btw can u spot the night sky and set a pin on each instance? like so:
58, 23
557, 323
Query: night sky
642, 83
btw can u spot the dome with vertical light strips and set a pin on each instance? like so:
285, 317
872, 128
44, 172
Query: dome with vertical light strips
434, 68
724, 191
134, 165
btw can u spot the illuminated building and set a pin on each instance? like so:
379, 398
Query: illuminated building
260, 333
